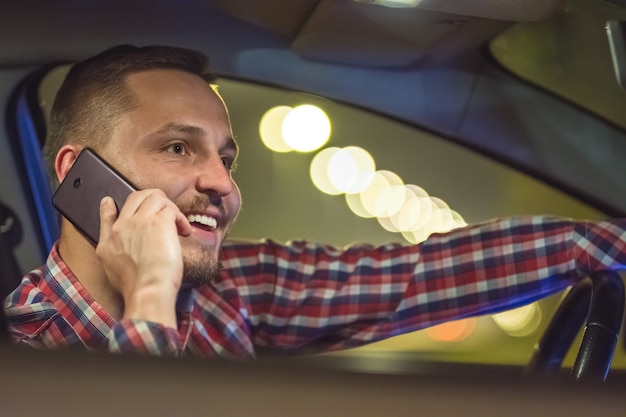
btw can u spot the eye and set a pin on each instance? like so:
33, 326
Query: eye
229, 163
177, 148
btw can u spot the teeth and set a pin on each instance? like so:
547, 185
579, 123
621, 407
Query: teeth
203, 220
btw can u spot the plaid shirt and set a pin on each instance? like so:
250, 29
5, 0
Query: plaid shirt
307, 297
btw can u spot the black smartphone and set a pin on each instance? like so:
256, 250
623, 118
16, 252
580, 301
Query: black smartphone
87, 182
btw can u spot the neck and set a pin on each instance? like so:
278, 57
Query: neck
80, 257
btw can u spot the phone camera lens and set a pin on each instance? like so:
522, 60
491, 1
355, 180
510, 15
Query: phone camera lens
77, 182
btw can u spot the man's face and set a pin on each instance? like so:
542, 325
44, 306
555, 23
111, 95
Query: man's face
179, 139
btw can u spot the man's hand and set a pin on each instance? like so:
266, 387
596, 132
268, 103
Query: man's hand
141, 254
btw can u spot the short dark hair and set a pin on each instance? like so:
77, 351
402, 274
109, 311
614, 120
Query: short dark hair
94, 93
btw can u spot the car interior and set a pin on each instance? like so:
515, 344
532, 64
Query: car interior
487, 108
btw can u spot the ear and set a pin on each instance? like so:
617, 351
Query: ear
65, 159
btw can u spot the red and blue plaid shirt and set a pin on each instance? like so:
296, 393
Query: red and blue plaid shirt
306, 297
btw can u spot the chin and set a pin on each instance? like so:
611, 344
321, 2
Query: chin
200, 267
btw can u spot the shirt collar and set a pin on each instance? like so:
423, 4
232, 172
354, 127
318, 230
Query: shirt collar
91, 322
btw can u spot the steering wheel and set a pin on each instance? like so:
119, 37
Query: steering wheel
599, 299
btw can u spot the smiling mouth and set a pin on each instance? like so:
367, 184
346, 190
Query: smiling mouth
202, 221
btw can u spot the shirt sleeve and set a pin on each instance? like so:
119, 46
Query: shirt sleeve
306, 296
144, 337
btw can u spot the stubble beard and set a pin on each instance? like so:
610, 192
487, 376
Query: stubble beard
201, 267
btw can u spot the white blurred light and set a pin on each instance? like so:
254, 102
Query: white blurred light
426, 206
423, 215
521, 321
351, 170
369, 197
392, 199
387, 224
271, 129
356, 205
385, 194
399, 208
458, 219
341, 170
435, 222
319, 171
415, 211
306, 128
415, 236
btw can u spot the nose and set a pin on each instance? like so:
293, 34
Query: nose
214, 179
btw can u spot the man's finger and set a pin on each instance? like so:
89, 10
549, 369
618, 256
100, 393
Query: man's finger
182, 225
108, 215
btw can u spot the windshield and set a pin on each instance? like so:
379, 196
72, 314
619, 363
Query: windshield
283, 201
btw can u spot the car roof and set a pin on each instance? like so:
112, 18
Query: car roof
493, 76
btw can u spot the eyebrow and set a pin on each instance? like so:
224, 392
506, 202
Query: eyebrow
191, 130
180, 128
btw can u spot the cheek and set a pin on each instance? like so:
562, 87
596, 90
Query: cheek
235, 198
164, 180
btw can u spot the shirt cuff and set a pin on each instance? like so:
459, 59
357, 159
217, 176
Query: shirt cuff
144, 337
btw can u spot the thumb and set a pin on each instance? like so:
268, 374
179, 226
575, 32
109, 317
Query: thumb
108, 215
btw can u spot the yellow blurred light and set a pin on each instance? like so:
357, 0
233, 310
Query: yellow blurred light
392, 199
407, 209
425, 206
415, 215
406, 218
416, 236
439, 203
365, 169
319, 171
447, 220
415, 211
458, 219
453, 331
387, 224
385, 195
352, 169
270, 129
521, 321
306, 128
341, 170
356, 206
369, 196
435, 221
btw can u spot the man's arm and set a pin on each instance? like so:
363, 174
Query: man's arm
306, 295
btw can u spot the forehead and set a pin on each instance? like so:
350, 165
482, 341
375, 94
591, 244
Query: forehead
159, 86
173, 97
167, 105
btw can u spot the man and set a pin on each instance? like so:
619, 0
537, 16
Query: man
163, 281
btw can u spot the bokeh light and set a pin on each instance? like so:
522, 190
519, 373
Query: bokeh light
306, 128
351, 169
415, 211
399, 208
385, 194
453, 331
319, 171
356, 206
521, 321
271, 129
